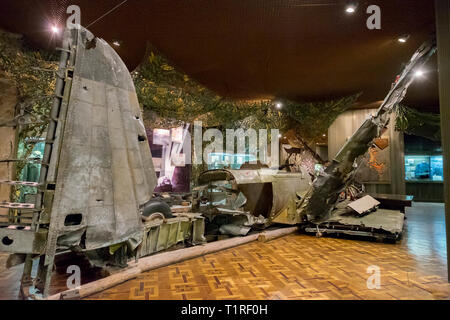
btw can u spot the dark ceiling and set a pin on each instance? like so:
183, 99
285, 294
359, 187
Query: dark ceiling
303, 50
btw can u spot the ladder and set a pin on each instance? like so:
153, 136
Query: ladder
29, 230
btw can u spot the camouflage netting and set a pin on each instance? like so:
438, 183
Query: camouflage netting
422, 124
32, 72
169, 97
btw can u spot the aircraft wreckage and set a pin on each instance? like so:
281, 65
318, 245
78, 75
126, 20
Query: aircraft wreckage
97, 177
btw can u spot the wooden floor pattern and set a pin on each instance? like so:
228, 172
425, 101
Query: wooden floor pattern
294, 267
305, 267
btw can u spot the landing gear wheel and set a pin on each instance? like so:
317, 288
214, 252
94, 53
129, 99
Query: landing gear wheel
156, 208
156, 216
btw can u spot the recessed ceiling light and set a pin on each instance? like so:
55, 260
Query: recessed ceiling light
278, 105
55, 29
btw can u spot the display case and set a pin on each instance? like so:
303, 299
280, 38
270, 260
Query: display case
218, 160
423, 168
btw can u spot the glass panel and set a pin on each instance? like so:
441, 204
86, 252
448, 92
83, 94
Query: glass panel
226, 160
417, 168
31, 170
437, 168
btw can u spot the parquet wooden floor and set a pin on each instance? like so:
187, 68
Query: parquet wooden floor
302, 267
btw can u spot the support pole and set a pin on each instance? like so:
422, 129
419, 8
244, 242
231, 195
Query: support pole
442, 8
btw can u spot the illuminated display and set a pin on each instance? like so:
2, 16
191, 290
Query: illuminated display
423, 168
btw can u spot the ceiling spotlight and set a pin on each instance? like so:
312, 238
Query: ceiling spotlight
350, 9
351, 6
116, 43
418, 73
55, 29
278, 105
403, 38
324, 135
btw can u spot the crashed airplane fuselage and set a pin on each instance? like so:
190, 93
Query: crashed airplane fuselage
97, 174
250, 197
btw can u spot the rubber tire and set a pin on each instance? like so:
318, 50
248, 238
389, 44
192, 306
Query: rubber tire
157, 206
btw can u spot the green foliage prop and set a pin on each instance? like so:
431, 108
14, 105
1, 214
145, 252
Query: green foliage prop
414, 122
171, 94
166, 93
312, 119
31, 70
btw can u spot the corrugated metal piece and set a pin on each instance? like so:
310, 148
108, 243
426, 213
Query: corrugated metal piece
161, 235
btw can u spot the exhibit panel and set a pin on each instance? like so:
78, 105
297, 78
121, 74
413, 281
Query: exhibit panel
424, 173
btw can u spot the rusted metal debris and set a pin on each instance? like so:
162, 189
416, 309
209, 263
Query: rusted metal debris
324, 192
272, 195
99, 176
364, 205
250, 197
95, 186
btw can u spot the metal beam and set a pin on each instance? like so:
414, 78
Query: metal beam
442, 8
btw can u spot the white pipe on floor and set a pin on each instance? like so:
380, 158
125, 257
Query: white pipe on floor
165, 259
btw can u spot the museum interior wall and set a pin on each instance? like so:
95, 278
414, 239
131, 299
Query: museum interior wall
388, 170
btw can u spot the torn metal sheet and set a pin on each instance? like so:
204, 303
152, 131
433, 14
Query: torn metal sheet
380, 224
364, 205
382, 219
104, 172
95, 137
266, 193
